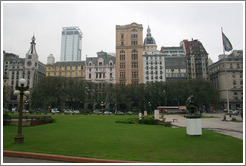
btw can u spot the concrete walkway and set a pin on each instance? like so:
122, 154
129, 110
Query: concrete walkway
228, 127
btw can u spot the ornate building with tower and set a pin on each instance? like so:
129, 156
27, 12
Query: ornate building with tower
15, 68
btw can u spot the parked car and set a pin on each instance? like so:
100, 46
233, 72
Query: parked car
107, 113
5, 110
235, 112
14, 109
119, 113
97, 112
130, 112
54, 110
76, 111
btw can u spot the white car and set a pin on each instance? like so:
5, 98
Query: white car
107, 113
76, 111
54, 110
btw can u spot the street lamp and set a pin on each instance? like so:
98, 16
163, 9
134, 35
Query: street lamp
102, 107
150, 110
20, 90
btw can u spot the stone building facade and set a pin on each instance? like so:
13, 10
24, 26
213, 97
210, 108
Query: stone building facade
66, 69
153, 60
16, 68
129, 52
101, 69
227, 76
197, 59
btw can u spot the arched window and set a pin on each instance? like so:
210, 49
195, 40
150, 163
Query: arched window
122, 55
134, 55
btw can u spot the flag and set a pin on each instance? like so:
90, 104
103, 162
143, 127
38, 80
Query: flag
226, 43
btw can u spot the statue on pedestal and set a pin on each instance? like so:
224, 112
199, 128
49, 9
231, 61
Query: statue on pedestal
193, 111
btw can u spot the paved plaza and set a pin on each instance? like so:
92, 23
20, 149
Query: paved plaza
227, 127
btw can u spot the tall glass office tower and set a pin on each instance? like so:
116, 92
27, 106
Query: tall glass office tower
71, 44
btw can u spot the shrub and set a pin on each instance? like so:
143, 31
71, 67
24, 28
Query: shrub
149, 121
6, 118
128, 121
233, 119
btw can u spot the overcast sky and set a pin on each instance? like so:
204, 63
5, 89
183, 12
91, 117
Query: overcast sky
170, 23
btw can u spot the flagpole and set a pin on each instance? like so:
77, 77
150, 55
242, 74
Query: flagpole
227, 91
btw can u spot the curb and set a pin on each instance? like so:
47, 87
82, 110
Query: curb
61, 157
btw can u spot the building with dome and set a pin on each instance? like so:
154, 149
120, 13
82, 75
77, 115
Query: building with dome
153, 60
149, 42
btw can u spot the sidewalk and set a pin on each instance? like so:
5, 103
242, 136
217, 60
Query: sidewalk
228, 127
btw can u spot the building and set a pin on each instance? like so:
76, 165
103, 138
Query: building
34, 69
101, 69
154, 66
153, 60
7, 59
51, 59
129, 52
175, 63
71, 44
66, 69
16, 68
227, 76
197, 59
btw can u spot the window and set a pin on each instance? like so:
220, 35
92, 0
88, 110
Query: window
122, 36
134, 55
122, 55
134, 36
134, 75
134, 65
122, 75
133, 43
100, 63
134, 39
122, 65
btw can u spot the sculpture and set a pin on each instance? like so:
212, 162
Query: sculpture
192, 109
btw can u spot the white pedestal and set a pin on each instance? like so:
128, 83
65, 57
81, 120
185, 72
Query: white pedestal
193, 126
140, 115
156, 114
145, 113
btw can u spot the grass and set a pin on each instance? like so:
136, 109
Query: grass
98, 136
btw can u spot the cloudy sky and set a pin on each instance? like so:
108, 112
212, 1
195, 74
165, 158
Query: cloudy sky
170, 23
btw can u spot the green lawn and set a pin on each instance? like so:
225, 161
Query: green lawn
98, 136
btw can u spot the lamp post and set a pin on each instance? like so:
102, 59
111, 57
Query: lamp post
150, 110
102, 107
20, 90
